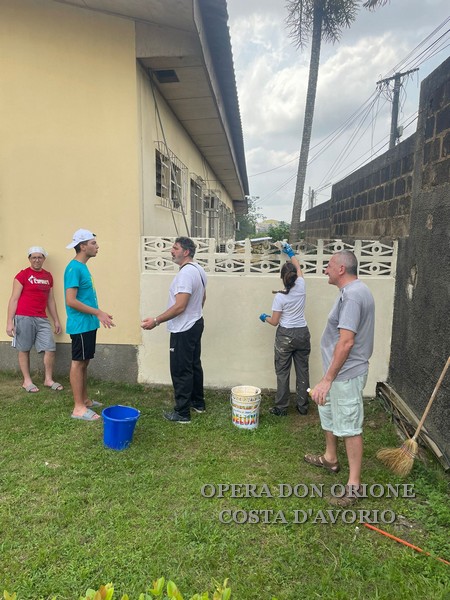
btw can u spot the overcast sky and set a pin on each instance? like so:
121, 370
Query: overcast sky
272, 75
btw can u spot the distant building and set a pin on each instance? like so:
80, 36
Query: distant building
263, 227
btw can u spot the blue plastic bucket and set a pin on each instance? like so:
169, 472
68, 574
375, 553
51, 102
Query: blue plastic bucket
118, 426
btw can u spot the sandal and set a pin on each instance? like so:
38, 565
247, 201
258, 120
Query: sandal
320, 461
31, 389
351, 496
94, 403
89, 415
55, 386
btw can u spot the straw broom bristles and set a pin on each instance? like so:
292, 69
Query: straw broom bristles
401, 460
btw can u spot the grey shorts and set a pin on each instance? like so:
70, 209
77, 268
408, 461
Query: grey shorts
33, 331
343, 412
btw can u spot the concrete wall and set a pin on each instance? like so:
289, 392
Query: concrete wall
112, 362
318, 222
421, 331
237, 347
371, 203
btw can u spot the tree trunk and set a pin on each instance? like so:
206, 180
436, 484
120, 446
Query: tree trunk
294, 234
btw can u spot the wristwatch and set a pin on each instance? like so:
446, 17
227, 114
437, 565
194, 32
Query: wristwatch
156, 321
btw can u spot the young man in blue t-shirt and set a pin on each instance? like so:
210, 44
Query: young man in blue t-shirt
83, 320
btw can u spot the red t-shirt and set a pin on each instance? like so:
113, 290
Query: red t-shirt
36, 288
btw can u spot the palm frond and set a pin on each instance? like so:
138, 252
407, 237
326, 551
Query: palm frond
300, 20
373, 4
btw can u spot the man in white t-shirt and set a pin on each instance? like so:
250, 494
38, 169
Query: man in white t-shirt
184, 317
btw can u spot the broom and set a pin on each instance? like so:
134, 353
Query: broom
400, 460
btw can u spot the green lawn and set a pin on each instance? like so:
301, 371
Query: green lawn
74, 514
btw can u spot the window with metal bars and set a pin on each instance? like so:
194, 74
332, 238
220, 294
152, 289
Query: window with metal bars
221, 222
226, 223
171, 179
198, 214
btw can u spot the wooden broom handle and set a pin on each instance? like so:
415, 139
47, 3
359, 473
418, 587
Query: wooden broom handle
430, 401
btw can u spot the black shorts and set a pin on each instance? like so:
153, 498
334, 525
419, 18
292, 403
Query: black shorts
83, 345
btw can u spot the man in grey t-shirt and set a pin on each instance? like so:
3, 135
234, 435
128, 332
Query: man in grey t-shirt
346, 345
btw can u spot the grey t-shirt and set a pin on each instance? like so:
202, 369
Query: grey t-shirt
354, 309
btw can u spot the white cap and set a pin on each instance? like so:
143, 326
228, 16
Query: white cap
39, 249
81, 235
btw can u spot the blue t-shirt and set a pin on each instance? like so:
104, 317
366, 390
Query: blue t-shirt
77, 276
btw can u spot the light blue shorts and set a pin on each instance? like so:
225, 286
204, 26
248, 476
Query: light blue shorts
343, 412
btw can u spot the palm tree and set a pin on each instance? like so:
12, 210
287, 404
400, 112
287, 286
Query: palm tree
316, 19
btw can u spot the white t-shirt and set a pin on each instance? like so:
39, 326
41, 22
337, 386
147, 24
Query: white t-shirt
191, 279
292, 305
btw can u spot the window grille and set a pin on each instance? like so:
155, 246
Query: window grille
212, 202
198, 213
171, 179
213, 226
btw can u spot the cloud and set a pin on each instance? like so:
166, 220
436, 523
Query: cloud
272, 77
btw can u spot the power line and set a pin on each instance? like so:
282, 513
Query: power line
349, 145
334, 135
404, 64
382, 143
362, 112
423, 56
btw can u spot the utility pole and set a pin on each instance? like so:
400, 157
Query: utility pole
310, 198
397, 77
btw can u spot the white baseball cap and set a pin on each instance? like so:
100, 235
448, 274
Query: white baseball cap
81, 235
39, 249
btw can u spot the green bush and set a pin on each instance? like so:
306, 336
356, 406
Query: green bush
106, 592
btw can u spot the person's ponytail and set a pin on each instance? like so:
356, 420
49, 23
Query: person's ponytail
288, 276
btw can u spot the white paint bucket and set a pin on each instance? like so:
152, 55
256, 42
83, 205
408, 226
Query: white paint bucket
245, 402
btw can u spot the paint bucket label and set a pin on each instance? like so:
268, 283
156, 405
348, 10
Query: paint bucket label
245, 402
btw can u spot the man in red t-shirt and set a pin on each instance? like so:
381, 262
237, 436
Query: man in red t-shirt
27, 321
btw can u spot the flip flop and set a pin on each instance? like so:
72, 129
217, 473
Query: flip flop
89, 415
57, 387
94, 403
320, 461
31, 389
